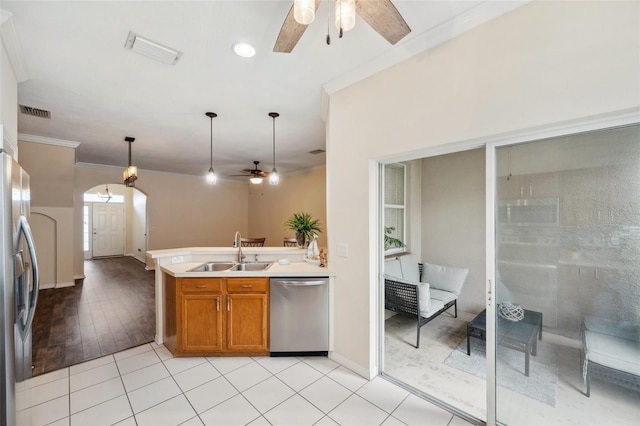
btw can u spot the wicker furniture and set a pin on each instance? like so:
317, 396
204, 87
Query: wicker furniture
521, 336
421, 290
252, 242
611, 352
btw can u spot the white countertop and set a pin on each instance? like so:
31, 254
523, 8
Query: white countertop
293, 269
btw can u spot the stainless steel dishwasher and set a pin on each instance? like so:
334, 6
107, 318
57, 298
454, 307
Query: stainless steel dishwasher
299, 316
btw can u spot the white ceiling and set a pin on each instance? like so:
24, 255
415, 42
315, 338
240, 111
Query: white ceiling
98, 92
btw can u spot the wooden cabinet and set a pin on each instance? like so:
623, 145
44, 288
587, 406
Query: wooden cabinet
200, 314
217, 316
247, 314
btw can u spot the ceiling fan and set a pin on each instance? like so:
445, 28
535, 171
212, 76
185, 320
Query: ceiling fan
381, 15
255, 175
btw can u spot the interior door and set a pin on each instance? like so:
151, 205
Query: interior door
108, 229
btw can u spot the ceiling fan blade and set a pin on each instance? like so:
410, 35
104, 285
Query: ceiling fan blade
290, 33
383, 17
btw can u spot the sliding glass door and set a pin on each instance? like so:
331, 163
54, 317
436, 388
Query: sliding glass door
563, 299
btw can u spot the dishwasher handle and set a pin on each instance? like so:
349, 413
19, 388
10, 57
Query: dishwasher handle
292, 283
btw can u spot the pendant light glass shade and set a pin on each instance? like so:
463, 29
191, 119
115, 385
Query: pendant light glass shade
107, 194
304, 11
211, 174
345, 14
211, 177
274, 179
256, 180
130, 174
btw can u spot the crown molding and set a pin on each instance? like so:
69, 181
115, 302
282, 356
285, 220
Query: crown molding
12, 46
442, 33
48, 141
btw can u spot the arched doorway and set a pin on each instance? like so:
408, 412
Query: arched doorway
114, 222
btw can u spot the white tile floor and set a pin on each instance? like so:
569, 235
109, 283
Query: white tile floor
147, 386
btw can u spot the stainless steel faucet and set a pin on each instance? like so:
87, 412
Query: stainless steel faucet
238, 241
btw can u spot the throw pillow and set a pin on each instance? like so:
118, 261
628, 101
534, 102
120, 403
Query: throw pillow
409, 264
425, 299
392, 268
447, 278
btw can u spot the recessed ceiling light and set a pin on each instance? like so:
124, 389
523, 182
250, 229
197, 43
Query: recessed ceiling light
244, 49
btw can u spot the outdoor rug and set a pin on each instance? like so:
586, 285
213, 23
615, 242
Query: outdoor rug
543, 368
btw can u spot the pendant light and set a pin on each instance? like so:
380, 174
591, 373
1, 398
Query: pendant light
274, 179
211, 174
107, 194
304, 11
131, 172
345, 15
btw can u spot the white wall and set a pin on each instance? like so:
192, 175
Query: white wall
453, 219
8, 102
544, 63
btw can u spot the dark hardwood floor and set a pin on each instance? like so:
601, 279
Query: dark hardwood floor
113, 309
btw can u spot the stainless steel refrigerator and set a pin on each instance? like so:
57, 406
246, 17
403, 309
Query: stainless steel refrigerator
19, 284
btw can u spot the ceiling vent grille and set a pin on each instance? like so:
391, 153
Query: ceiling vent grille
36, 112
317, 151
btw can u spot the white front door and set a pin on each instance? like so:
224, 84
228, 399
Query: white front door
108, 229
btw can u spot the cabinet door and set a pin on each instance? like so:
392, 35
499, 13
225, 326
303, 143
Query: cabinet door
201, 322
247, 322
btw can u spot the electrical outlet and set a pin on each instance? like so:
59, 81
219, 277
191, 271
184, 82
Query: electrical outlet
177, 259
343, 250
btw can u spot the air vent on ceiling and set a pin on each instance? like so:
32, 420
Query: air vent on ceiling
317, 151
152, 49
36, 112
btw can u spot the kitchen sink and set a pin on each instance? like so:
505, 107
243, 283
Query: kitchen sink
213, 267
230, 266
254, 266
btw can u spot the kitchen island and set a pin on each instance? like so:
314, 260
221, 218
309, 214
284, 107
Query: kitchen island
204, 291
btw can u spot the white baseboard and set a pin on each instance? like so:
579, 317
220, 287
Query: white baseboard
356, 368
79, 277
47, 286
67, 284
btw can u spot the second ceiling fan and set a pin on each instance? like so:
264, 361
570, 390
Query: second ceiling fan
255, 175
381, 15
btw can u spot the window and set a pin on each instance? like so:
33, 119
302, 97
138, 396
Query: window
95, 198
394, 207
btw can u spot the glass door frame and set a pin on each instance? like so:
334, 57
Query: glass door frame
600, 122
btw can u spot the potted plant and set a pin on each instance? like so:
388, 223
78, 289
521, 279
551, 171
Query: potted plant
390, 241
304, 226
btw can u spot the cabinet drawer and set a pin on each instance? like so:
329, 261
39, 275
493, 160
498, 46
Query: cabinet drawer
247, 285
201, 284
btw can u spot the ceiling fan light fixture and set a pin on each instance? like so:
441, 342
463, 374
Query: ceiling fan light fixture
345, 14
304, 11
256, 180
244, 49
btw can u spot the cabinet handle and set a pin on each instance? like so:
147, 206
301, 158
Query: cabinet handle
246, 286
217, 303
201, 286
228, 304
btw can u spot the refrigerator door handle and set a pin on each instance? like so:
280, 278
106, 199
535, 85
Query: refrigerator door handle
25, 229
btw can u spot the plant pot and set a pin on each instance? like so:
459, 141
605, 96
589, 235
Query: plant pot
300, 240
